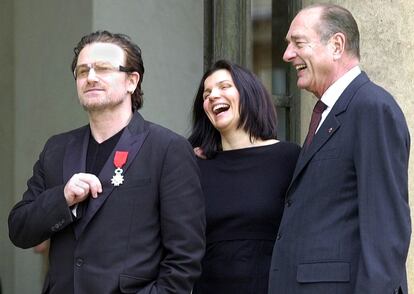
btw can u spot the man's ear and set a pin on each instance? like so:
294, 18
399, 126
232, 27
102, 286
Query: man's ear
338, 41
133, 79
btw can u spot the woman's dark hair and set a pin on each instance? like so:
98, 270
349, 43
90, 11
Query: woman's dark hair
257, 111
133, 58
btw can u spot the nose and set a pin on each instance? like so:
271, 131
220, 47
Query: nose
215, 93
92, 74
289, 53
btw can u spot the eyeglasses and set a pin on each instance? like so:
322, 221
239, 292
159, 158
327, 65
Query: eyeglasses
100, 69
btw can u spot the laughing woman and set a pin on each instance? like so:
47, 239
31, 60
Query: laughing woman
244, 177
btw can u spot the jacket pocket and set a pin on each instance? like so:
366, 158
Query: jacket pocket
130, 284
130, 184
332, 271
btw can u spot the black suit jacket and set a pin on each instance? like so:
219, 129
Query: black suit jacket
346, 226
144, 236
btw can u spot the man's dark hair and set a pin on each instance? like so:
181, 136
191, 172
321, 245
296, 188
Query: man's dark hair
257, 111
133, 60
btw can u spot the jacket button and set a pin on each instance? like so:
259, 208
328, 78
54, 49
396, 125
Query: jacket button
278, 236
288, 203
79, 262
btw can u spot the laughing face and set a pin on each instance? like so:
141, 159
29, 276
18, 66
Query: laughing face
221, 101
312, 58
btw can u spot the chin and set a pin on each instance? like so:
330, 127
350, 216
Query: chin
93, 106
302, 86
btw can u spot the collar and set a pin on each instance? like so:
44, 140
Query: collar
332, 94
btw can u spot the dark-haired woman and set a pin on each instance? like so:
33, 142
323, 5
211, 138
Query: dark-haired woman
244, 177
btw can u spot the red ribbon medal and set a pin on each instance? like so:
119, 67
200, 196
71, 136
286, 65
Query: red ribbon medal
120, 159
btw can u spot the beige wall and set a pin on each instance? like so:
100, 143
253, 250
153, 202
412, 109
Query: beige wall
6, 138
387, 55
171, 38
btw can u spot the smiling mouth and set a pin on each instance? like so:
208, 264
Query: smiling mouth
219, 108
300, 67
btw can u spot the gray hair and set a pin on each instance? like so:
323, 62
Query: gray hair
335, 19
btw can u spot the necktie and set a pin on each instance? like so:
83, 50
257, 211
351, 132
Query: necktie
315, 119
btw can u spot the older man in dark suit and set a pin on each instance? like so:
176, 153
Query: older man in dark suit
120, 198
346, 226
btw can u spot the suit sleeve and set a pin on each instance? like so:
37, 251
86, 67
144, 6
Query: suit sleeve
182, 218
42, 210
381, 159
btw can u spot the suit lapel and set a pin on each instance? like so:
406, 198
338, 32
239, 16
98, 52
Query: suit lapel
325, 132
329, 127
74, 160
131, 141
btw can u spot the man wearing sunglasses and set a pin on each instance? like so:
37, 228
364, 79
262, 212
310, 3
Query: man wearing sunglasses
120, 198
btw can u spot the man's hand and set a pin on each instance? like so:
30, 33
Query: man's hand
80, 186
199, 153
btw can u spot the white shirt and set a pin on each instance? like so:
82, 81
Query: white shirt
332, 94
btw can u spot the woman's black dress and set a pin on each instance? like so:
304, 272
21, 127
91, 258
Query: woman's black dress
244, 191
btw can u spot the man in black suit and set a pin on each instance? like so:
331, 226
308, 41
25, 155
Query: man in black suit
120, 198
346, 224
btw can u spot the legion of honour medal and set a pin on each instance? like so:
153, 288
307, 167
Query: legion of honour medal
120, 159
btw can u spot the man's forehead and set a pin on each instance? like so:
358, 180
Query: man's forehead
101, 52
303, 24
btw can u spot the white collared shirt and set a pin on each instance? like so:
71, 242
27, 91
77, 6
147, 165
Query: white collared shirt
332, 94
